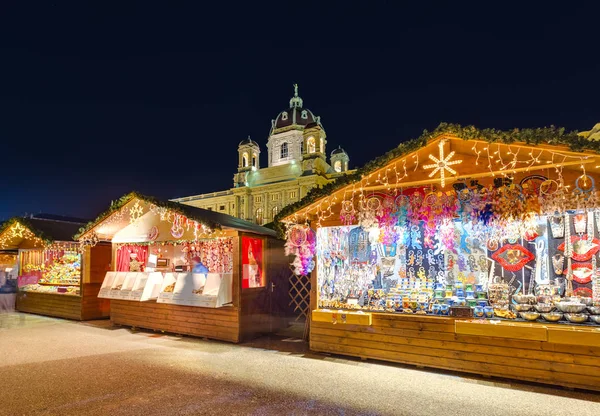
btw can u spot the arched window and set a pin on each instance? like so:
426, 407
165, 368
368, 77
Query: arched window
259, 216
311, 145
254, 159
337, 166
284, 116
322, 146
275, 211
304, 114
245, 160
284, 153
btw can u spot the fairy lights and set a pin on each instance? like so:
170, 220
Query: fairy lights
442, 164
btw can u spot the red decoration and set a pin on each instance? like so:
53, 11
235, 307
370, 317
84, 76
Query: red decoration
582, 249
584, 292
582, 272
531, 235
513, 257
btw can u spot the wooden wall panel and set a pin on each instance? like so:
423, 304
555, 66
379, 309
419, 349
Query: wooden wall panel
432, 342
61, 306
216, 323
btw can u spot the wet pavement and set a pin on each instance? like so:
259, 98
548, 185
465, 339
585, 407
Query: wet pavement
56, 367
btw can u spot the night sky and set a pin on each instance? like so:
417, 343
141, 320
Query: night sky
98, 100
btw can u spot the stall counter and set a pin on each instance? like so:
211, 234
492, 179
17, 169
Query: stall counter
441, 342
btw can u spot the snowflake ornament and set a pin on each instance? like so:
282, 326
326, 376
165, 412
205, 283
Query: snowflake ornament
442, 164
135, 212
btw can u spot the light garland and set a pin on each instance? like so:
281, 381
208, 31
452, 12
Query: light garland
442, 164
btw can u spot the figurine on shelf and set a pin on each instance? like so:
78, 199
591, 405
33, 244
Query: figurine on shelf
134, 264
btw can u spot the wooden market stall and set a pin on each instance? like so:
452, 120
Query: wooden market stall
55, 277
465, 249
8, 280
187, 270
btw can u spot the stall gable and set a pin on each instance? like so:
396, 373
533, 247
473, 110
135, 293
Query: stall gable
15, 234
446, 160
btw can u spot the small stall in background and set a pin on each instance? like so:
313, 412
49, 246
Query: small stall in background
55, 276
190, 271
8, 280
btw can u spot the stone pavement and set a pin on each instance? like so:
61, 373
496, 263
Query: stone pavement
57, 367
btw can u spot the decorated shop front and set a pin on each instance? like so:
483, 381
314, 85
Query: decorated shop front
8, 280
187, 270
54, 276
464, 249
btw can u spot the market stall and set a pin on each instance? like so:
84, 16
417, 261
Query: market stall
469, 250
55, 276
190, 271
8, 280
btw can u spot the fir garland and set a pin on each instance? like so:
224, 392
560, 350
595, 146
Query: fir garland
542, 135
23, 221
173, 206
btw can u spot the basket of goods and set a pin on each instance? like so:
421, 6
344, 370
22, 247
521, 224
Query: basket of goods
498, 293
461, 311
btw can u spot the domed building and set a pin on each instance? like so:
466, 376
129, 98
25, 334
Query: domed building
297, 162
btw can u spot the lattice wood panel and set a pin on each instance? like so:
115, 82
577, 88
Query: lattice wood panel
300, 296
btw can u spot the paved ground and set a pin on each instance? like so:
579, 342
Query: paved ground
55, 367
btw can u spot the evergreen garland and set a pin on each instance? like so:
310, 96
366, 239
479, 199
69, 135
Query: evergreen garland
542, 135
23, 221
172, 206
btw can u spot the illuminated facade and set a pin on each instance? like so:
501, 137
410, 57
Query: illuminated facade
297, 162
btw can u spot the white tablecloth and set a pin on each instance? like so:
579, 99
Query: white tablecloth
7, 302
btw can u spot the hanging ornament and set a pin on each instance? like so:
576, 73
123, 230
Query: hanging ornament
18, 231
153, 233
442, 164
135, 212
558, 260
177, 229
581, 248
557, 225
347, 213
579, 221
582, 272
301, 243
513, 257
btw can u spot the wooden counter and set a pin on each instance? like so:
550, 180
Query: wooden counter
215, 323
498, 350
80, 308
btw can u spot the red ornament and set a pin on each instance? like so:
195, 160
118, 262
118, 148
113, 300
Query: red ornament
582, 272
513, 257
531, 235
582, 249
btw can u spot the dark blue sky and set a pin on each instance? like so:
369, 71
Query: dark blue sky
97, 100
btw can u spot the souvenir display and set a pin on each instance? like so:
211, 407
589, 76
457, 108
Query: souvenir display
59, 272
428, 252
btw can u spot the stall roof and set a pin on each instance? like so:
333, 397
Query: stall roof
211, 219
553, 136
47, 230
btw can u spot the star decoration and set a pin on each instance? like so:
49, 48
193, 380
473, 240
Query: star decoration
18, 230
442, 164
135, 212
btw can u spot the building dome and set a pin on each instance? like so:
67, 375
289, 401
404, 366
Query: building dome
248, 141
338, 151
296, 114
